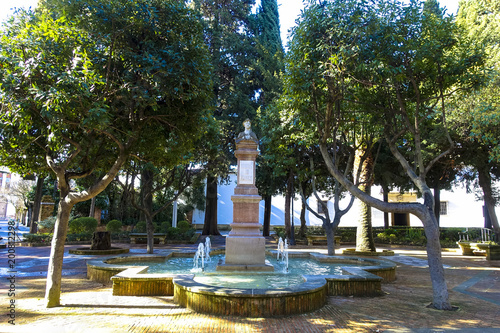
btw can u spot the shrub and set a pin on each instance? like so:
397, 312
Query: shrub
120, 236
164, 227
37, 238
279, 231
183, 226
382, 237
86, 236
347, 234
114, 226
140, 227
315, 230
129, 221
393, 238
82, 225
173, 233
47, 224
189, 234
451, 234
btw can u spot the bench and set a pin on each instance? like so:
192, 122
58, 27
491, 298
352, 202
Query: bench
161, 237
315, 239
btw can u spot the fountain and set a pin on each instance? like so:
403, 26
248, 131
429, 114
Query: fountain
199, 255
245, 257
280, 248
208, 246
283, 252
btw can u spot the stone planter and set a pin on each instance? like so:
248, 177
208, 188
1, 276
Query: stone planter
465, 248
493, 252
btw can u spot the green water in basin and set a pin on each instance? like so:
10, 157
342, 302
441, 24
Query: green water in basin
280, 278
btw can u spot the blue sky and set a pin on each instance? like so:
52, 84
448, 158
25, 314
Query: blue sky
289, 11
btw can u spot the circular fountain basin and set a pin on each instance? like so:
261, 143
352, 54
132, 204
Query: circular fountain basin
88, 251
362, 277
282, 277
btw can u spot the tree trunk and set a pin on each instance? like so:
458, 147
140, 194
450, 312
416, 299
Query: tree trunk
101, 240
330, 237
423, 211
67, 201
288, 200
437, 203
92, 207
150, 230
147, 204
436, 269
36, 205
386, 199
54, 271
210, 223
303, 222
489, 200
364, 235
267, 215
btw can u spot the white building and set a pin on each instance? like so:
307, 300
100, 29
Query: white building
458, 209
8, 200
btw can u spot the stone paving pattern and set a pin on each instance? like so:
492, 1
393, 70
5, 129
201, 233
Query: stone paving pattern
473, 282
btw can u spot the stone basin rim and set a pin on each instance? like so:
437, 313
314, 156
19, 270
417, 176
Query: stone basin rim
312, 283
134, 272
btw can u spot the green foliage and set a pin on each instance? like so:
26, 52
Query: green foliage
279, 231
392, 236
232, 53
315, 231
48, 224
269, 60
38, 238
122, 236
179, 234
82, 225
173, 233
164, 227
114, 226
79, 237
397, 235
183, 225
348, 235
140, 227
89, 64
47, 238
83, 208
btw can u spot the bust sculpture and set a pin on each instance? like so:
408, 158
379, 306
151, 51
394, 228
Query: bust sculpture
247, 134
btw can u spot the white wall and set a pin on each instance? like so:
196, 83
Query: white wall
5, 195
463, 209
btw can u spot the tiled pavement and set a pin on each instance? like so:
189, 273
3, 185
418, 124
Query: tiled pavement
90, 308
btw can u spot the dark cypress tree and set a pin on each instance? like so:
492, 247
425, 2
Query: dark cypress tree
269, 47
268, 66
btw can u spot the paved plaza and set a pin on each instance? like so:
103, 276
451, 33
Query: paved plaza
87, 306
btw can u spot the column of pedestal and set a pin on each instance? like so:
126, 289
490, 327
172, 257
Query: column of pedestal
245, 246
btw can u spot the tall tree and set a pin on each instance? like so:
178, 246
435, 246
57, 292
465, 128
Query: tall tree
82, 81
268, 64
229, 43
401, 61
478, 113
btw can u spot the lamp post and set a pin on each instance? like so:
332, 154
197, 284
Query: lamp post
174, 211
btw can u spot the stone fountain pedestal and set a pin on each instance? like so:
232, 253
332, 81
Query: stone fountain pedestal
245, 245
